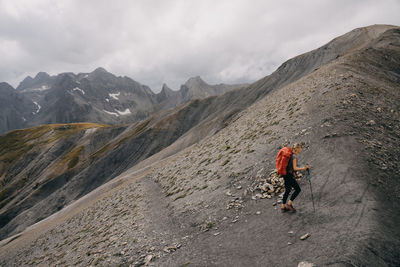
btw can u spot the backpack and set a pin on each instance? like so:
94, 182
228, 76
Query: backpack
282, 160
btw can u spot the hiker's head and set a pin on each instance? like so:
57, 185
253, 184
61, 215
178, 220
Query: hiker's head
297, 148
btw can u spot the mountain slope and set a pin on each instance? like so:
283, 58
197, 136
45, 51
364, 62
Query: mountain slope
175, 209
15, 109
39, 162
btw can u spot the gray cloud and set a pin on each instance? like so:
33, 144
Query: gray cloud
169, 41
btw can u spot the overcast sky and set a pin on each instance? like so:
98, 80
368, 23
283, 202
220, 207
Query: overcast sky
168, 41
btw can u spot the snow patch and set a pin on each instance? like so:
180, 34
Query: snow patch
126, 112
108, 100
40, 89
118, 113
111, 113
38, 107
23, 118
78, 89
115, 96
85, 76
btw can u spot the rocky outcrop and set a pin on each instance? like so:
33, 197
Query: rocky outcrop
166, 93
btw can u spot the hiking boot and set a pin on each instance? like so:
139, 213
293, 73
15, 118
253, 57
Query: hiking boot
290, 208
284, 209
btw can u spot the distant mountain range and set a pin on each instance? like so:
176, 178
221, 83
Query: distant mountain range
98, 97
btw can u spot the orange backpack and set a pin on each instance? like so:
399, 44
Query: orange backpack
282, 160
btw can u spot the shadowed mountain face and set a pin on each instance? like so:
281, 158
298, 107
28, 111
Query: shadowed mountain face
189, 181
15, 109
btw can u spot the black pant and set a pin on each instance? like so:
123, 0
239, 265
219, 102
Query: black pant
289, 183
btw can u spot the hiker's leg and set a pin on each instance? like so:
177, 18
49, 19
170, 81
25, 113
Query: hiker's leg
288, 187
297, 190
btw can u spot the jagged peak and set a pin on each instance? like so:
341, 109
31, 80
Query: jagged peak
27, 79
195, 81
25, 82
165, 88
41, 75
6, 86
100, 70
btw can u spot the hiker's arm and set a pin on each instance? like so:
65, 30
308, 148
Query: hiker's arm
295, 168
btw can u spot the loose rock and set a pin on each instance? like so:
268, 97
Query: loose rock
274, 183
304, 237
235, 203
148, 259
266, 195
306, 264
172, 248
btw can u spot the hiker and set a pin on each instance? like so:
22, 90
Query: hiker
288, 174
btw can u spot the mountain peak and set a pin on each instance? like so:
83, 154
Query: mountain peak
165, 88
195, 81
6, 87
100, 70
27, 79
25, 83
41, 76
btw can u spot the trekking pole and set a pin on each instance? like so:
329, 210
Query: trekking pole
309, 180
